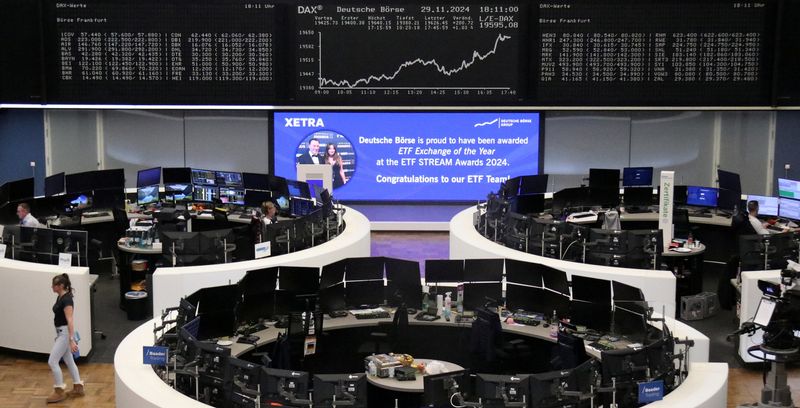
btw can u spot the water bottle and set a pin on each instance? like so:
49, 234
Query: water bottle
554, 325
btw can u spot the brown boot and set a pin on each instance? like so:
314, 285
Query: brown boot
77, 391
57, 396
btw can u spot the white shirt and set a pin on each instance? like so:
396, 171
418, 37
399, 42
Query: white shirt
30, 221
757, 225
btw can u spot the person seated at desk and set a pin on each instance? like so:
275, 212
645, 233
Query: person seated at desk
26, 219
270, 213
758, 226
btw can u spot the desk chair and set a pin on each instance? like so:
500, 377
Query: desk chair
680, 219
488, 350
220, 219
754, 254
393, 335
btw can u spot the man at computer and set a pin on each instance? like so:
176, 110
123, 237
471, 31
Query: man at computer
26, 219
758, 226
313, 156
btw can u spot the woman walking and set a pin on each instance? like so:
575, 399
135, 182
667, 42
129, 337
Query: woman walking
65, 343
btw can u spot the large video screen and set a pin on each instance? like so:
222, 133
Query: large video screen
410, 156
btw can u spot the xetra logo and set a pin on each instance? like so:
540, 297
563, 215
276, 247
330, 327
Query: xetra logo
308, 9
303, 122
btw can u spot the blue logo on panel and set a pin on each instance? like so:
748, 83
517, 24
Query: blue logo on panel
155, 355
651, 391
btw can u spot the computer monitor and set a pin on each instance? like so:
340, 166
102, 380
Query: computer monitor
346, 389
729, 181
38, 240
204, 193
74, 242
147, 195
213, 357
766, 205
680, 194
3, 194
108, 179
630, 321
243, 375
54, 185
637, 176
254, 198
522, 272
231, 195
527, 204
638, 196
788, 188
176, 175
215, 299
477, 295
365, 293
701, 196
624, 365
444, 270
511, 188
626, 293
604, 197
213, 244
595, 316
255, 181
546, 390
298, 189
177, 192
20, 190
591, 289
332, 298
442, 390
259, 281
730, 200
533, 299
282, 203
498, 390
78, 200
789, 208
403, 284
364, 268
182, 243
608, 241
148, 177
554, 279
278, 185
228, 178
264, 305
299, 280
79, 182
332, 273
533, 184
483, 270
205, 177
604, 178
216, 324
283, 386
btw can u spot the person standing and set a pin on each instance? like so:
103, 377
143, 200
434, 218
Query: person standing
333, 158
313, 156
65, 343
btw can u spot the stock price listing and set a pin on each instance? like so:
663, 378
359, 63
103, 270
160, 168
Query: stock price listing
408, 53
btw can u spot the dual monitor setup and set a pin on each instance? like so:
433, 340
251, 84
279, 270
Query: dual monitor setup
43, 245
185, 185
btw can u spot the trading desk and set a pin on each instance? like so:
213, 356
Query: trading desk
137, 385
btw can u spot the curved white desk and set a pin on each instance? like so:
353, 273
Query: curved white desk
171, 284
27, 305
137, 385
467, 243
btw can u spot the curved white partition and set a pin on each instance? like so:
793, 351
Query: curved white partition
27, 305
171, 284
467, 243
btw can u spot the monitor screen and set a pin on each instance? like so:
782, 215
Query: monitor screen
522, 272
347, 389
789, 188
679, 193
637, 176
764, 312
231, 195
478, 270
604, 178
536, 300
730, 200
766, 205
177, 192
364, 268
206, 177
729, 180
412, 156
254, 198
503, 389
176, 175
147, 195
701, 196
533, 184
54, 185
228, 178
298, 189
364, 293
79, 182
591, 289
299, 280
148, 177
638, 196
205, 193
255, 181
788, 208
480, 294
20, 189
444, 270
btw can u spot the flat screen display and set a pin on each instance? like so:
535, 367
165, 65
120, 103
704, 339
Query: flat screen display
148, 177
410, 156
54, 184
701, 196
604, 178
229, 195
228, 178
764, 313
766, 205
205, 193
789, 188
147, 195
204, 177
729, 180
637, 176
176, 175
789, 208
177, 192
255, 181
79, 182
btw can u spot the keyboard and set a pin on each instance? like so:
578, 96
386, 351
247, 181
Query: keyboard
702, 215
602, 346
775, 228
95, 214
424, 317
373, 315
637, 210
526, 320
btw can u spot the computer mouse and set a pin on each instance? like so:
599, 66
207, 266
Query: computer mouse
545, 325
411, 311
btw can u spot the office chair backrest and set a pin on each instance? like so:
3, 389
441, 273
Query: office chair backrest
680, 219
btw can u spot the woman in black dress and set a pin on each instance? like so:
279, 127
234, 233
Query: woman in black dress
332, 157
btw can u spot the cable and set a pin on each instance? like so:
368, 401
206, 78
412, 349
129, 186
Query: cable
452, 404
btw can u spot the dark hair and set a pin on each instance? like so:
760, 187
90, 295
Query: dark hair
752, 206
63, 280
